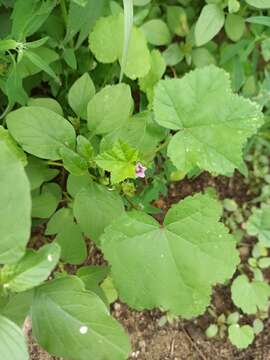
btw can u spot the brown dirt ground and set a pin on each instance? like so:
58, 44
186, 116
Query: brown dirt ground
183, 340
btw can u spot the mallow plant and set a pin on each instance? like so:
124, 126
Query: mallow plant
80, 168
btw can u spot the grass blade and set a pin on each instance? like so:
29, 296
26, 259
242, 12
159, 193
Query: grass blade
128, 15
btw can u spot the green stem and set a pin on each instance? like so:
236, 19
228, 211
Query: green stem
54, 163
64, 11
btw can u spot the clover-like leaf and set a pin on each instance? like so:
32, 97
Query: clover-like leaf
250, 296
70, 322
106, 42
171, 266
214, 123
120, 161
241, 336
258, 224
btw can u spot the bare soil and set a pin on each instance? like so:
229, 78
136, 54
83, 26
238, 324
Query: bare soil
183, 340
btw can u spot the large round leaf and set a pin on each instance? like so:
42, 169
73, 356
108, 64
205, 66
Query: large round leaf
15, 209
40, 131
215, 123
71, 322
171, 266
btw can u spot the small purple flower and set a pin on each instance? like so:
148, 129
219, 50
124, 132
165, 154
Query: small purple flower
140, 170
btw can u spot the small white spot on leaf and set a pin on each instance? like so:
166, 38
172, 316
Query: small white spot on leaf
50, 258
83, 329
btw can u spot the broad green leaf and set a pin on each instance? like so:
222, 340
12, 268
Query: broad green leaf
120, 161
109, 108
80, 93
47, 103
85, 148
171, 266
201, 57
70, 58
45, 203
234, 26
258, 225
41, 132
107, 41
30, 271
69, 236
260, 4
13, 344
250, 296
92, 276
73, 247
73, 162
38, 172
28, 16
15, 210
209, 24
12, 145
241, 336
140, 132
215, 123
173, 55
156, 72
17, 306
58, 221
95, 207
73, 323
14, 87
76, 183
109, 289
81, 19
156, 32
